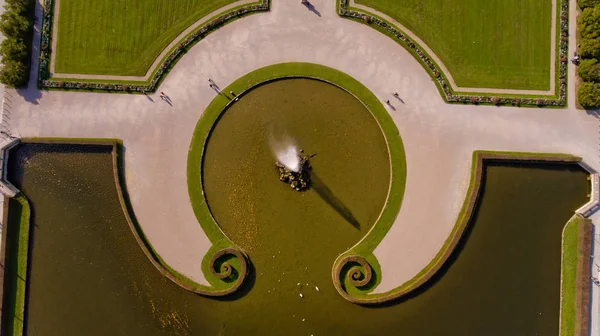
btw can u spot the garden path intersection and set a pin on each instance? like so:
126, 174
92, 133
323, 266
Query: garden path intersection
439, 138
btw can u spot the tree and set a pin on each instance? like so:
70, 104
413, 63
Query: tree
588, 95
590, 48
589, 22
587, 3
13, 25
13, 49
13, 73
589, 70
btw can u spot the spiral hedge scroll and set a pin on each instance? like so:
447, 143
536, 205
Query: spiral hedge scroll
225, 270
358, 273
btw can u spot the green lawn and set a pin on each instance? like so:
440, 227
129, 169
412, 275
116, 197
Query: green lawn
569, 276
17, 245
122, 37
483, 43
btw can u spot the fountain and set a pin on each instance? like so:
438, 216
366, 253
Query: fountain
294, 167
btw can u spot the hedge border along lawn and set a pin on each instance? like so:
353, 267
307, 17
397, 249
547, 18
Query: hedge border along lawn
558, 99
124, 38
502, 44
165, 65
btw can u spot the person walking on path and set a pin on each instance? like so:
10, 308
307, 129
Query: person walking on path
164, 97
398, 97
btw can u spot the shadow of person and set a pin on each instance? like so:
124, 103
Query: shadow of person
390, 105
327, 195
312, 8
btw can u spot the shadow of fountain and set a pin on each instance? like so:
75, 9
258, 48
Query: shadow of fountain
327, 195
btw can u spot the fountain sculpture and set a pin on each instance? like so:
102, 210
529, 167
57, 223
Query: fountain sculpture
294, 167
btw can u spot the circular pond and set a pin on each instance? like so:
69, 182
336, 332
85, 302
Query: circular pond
350, 173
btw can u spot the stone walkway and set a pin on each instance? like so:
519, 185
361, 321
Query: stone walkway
439, 138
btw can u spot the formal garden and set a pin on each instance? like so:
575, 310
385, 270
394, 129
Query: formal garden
294, 174
305, 257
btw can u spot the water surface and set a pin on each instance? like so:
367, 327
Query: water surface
89, 277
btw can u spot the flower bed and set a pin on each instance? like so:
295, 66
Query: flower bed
447, 92
46, 82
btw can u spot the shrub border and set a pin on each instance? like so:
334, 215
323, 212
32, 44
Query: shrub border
440, 79
45, 81
360, 296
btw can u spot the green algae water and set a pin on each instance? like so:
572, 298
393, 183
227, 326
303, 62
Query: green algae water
350, 176
88, 276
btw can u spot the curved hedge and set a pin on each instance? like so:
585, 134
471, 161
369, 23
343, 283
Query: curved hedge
361, 253
355, 295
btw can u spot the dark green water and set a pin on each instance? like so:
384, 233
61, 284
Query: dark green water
89, 277
350, 173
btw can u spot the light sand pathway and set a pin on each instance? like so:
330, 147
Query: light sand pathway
439, 138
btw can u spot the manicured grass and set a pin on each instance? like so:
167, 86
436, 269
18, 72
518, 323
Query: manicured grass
569, 274
122, 37
570, 256
15, 277
493, 44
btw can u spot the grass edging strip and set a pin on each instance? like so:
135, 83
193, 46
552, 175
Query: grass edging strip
575, 277
343, 268
440, 79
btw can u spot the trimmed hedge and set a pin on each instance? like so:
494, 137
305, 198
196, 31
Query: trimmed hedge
16, 23
587, 3
588, 94
46, 82
589, 70
588, 27
446, 90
